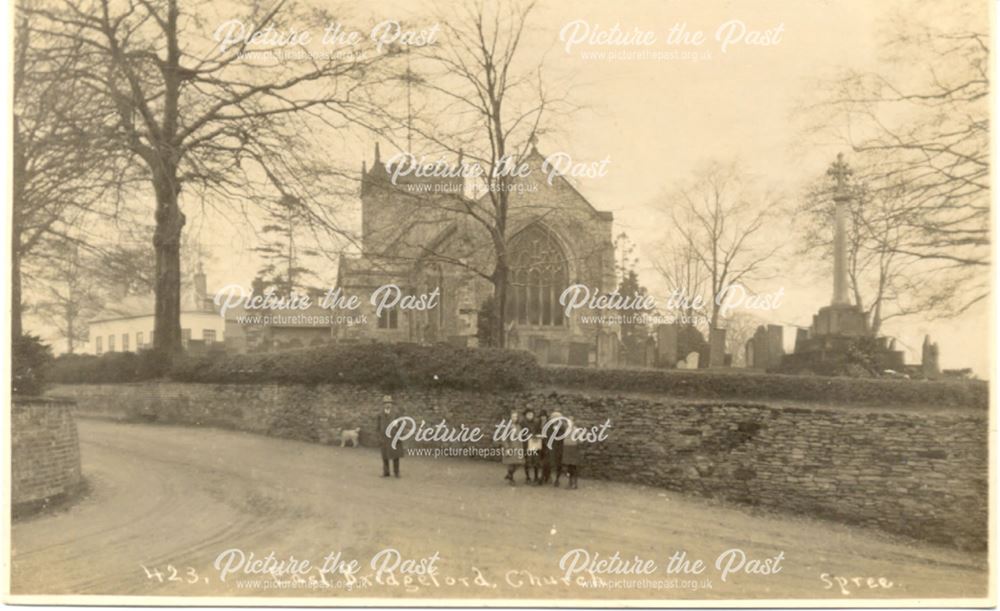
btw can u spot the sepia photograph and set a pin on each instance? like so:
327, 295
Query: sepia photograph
499, 303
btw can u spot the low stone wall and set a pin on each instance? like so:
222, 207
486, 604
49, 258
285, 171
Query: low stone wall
45, 452
918, 473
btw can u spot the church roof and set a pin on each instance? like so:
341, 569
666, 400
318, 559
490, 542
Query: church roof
537, 159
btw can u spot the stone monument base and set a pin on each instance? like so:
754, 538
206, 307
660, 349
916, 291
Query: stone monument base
842, 319
830, 354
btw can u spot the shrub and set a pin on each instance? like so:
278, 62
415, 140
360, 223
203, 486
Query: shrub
112, 367
30, 359
393, 366
384, 365
755, 386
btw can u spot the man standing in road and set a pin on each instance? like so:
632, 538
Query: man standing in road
385, 418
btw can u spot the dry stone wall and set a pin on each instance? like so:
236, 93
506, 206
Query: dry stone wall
921, 474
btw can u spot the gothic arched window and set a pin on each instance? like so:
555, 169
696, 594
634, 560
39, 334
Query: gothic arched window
538, 275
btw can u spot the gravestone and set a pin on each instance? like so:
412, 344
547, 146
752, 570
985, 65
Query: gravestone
608, 349
801, 339
649, 352
929, 359
766, 348
775, 345
666, 345
716, 347
690, 339
690, 361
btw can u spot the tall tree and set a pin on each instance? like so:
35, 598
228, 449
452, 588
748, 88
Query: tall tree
209, 119
740, 327
625, 258
685, 280
283, 250
634, 330
720, 220
61, 173
495, 97
70, 295
123, 266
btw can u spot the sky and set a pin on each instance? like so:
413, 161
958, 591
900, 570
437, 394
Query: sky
657, 119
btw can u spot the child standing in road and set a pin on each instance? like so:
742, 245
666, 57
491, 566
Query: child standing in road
570, 456
532, 446
512, 448
543, 455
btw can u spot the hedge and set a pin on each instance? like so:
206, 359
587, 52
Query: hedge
112, 367
383, 365
734, 383
393, 366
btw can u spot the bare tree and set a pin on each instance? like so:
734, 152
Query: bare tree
124, 266
481, 83
740, 327
61, 174
625, 258
685, 279
209, 119
70, 295
720, 219
921, 126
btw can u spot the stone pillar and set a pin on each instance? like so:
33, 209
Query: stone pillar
716, 347
840, 172
666, 346
840, 296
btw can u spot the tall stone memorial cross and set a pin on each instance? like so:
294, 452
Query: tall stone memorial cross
840, 172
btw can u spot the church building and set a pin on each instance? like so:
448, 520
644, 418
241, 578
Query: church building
425, 233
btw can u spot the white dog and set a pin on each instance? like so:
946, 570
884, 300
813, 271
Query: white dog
349, 435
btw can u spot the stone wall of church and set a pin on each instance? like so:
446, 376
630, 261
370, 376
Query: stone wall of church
921, 474
583, 232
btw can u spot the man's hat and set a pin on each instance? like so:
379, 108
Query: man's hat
387, 399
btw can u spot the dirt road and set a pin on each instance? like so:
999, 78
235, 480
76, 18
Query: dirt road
165, 502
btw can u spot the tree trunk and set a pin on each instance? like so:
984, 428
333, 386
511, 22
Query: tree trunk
876, 321
15, 286
166, 243
70, 329
500, 277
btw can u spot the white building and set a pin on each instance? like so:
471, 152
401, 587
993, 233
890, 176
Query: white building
127, 325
